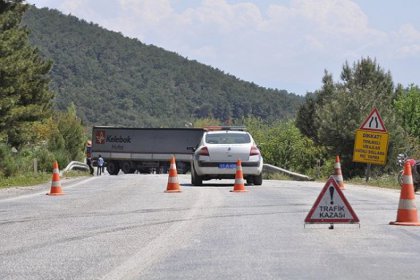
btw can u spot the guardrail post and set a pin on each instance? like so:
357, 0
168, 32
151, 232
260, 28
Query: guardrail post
35, 165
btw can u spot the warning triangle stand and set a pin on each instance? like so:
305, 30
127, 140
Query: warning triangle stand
331, 207
373, 122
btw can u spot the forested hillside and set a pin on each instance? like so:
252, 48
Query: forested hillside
115, 80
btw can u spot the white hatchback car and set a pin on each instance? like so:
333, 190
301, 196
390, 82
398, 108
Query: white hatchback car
218, 152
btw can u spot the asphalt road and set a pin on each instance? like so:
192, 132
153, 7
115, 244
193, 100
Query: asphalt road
127, 227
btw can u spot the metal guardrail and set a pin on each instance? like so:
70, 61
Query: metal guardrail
274, 169
75, 165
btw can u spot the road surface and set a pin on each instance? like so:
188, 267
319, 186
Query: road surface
127, 227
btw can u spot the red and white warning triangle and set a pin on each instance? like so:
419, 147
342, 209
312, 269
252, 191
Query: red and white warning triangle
373, 122
331, 207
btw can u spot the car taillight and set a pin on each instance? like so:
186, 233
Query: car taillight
254, 151
204, 151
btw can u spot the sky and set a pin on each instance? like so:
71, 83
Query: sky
281, 44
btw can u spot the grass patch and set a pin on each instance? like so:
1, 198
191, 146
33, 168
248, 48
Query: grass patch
275, 176
28, 179
385, 181
75, 173
32, 179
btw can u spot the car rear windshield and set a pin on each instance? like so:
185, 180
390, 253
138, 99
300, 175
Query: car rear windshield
228, 138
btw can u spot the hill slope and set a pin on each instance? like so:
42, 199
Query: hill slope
115, 80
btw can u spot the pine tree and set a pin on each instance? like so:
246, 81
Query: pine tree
408, 108
364, 86
306, 118
24, 94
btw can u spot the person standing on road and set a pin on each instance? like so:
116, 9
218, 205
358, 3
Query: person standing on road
100, 165
103, 166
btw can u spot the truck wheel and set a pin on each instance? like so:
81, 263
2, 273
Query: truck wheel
145, 170
196, 180
258, 180
180, 166
112, 168
126, 167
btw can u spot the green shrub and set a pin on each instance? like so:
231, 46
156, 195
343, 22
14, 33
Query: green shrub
8, 162
45, 159
62, 157
282, 144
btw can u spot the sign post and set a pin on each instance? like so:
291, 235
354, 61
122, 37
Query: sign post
371, 141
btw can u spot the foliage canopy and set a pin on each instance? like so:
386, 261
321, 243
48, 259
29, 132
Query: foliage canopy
25, 96
331, 115
115, 80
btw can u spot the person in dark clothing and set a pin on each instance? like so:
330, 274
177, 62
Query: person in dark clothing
89, 156
89, 163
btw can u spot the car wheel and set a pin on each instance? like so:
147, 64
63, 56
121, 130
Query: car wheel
250, 180
258, 180
196, 180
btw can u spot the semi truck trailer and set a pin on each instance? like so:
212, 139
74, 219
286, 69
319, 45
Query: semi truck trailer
144, 149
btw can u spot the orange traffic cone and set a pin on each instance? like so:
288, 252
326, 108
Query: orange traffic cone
239, 179
173, 183
338, 176
55, 184
407, 211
